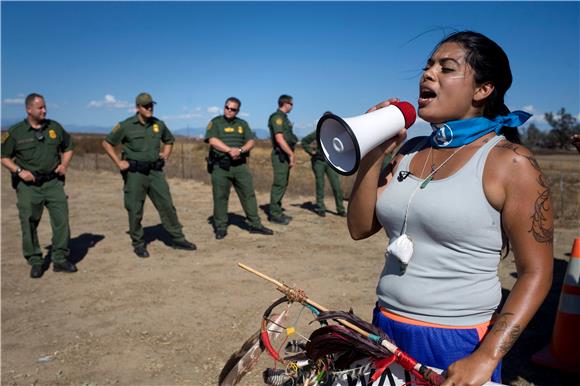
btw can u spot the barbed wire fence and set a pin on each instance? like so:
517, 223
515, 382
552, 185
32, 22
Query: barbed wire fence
188, 162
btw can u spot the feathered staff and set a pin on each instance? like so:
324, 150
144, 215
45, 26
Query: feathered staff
375, 342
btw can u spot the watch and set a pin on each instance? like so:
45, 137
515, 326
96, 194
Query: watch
18, 169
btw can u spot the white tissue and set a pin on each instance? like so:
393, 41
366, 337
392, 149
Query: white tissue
401, 248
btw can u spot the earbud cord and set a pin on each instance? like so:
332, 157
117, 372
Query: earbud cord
422, 184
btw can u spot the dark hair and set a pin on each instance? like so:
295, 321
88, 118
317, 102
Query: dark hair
31, 97
235, 100
490, 64
284, 99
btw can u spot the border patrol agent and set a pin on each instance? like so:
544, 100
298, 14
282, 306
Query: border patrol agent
231, 140
283, 144
141, 165
320, 167
37, 151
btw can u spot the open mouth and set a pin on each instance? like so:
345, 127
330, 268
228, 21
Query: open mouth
427, 93
425, 96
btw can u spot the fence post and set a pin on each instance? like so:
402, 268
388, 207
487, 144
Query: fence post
182, 162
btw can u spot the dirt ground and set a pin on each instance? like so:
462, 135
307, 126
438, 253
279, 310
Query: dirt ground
175, 318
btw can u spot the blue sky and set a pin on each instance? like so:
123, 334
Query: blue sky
90, 59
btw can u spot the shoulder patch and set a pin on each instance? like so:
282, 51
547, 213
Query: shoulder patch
209, 125
279, 121
117, 127
5, 136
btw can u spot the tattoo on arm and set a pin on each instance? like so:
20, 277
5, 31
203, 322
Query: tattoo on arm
540, 228
511, 333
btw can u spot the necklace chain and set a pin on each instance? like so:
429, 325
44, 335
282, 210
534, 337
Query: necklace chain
433, 171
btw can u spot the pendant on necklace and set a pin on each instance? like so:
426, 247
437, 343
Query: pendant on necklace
427, 180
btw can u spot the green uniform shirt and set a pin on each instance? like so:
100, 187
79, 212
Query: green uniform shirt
233, 133
141, 142
279, 123
36, 150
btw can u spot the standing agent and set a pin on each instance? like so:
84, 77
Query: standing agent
141, 165
37, 151
231, 140
283, 158
450, 203
320, 167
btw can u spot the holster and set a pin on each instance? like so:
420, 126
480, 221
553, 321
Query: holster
282, 156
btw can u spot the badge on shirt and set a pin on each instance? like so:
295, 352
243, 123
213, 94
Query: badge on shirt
52, 134
229, 130
279, 121
155, 128
240, 130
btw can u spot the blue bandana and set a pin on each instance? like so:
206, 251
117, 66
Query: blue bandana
464, 131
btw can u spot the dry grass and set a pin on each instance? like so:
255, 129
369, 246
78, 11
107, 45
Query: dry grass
188, 161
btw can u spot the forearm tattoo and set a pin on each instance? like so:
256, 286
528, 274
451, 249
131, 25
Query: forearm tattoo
510, 333
541, 228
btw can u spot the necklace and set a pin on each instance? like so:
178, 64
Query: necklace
433, 171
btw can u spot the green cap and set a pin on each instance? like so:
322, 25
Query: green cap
144, 99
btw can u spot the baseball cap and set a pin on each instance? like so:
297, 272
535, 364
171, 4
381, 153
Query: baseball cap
144, 99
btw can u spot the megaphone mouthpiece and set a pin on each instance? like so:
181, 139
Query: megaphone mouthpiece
345, 141
408, 112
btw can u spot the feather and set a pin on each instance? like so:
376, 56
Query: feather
342, 342
243, 361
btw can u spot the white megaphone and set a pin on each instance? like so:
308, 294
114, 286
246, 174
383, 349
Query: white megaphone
345, 141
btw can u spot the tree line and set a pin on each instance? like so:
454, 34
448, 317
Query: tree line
563, 125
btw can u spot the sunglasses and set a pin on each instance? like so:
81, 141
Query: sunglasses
39, 135
290, 103
148, 106
230, 109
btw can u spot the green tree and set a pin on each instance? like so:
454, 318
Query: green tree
532, 136
563, 126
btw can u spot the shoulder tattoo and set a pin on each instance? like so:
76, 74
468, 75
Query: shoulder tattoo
540, 227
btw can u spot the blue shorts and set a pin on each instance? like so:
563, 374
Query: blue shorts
432, 346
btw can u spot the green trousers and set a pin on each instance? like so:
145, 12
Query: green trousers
31, 201
137, 187
281, 174
321, 168
222, 181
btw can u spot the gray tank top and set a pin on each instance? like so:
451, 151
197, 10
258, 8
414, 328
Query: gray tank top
452, 277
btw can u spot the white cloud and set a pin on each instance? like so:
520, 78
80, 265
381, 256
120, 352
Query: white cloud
109, 101
191, 115
13, 101
529, 109
213, 110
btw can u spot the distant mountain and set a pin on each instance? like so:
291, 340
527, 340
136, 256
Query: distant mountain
200, 132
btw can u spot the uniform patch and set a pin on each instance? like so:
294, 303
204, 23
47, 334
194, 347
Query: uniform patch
209, 125
279, 121
155, 128
240, 130
229, 130
5, 136
52, 134
117, 127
